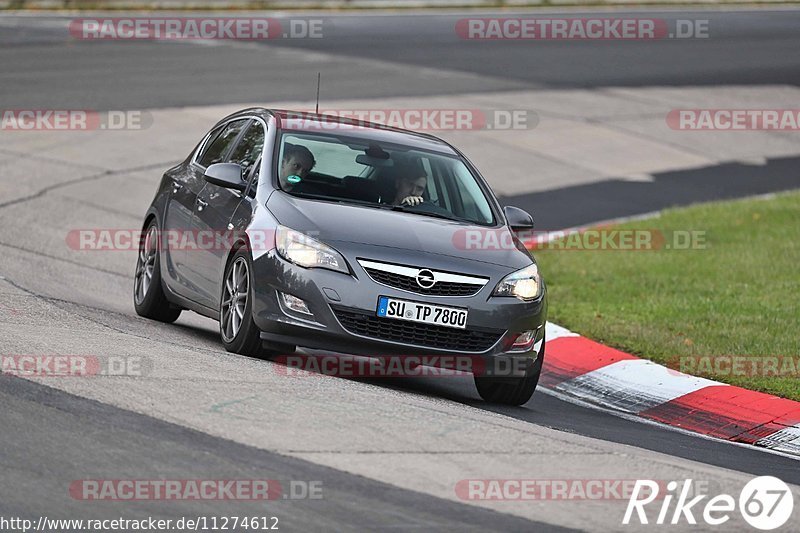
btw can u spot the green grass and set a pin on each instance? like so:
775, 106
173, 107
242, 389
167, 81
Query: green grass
737, 296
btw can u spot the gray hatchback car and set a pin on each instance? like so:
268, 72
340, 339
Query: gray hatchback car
306, 230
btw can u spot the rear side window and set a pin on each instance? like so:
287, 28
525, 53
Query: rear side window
218, 146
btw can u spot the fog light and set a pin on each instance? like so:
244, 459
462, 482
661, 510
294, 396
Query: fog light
524, 341
295, 304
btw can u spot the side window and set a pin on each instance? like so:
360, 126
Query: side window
249, 148
203, 149
468, 190
216, 149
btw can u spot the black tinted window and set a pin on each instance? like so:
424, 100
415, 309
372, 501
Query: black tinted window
217, 147
249, 148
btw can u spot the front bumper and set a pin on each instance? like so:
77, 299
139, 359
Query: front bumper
344, 316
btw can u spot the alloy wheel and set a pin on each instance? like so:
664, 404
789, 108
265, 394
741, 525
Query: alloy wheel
234, 300
145, 265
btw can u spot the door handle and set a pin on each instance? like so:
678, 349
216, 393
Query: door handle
201, 204
176, 187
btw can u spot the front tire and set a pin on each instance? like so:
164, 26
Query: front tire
149, 299
511, 391
238, 331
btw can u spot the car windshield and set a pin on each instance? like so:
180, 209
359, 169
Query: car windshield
378, 174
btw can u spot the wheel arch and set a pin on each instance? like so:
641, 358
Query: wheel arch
239, 243
148, 218
151, 215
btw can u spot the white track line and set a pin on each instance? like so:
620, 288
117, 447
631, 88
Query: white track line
633, 385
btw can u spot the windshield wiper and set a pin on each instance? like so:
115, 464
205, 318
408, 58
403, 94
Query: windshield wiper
365, 203
314, 196
339, 199
433, 214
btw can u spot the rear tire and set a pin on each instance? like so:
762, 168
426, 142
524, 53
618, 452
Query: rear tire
511, 391
237, 329
149, 299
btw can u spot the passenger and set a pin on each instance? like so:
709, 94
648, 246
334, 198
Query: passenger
296, 163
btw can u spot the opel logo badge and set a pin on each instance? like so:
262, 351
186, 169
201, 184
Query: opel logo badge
425, 278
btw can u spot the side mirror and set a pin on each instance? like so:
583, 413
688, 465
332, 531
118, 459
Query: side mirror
518, 219
228, 175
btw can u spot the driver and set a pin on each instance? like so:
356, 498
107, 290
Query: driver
410, 185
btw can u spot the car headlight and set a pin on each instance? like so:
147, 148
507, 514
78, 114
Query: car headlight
302, 250
525, 284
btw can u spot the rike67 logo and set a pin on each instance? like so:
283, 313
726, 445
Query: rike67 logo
766, 503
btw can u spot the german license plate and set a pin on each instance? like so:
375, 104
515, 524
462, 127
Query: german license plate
439, 315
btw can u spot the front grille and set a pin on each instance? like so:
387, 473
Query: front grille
408, 283
425, 335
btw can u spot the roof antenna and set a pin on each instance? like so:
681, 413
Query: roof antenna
319, 74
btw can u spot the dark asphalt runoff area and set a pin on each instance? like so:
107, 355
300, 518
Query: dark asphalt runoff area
51, 438
44, 67
47, 435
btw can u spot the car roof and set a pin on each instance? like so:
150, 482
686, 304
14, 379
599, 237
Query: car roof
307, 122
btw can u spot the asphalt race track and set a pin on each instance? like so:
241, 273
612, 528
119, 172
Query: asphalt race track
42, 64
387, 453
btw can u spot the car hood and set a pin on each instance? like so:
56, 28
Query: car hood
333, 223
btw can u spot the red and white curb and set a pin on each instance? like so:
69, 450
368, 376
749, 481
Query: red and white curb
585, 370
